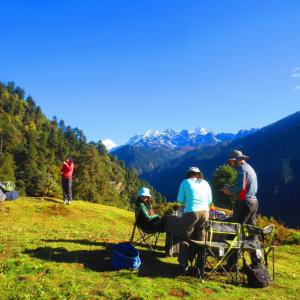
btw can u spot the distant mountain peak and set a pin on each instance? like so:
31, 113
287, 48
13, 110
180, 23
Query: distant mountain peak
200, 130
152, 133
109, 144
172, 139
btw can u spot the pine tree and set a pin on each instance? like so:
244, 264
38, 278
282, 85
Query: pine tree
7, 167
224, 174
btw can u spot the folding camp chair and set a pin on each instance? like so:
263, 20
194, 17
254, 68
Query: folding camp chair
147, 238
222, 239
259, 242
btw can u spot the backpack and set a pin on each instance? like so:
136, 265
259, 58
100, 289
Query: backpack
257, 277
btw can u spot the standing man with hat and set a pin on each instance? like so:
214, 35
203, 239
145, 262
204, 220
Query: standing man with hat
246, 205
245, 208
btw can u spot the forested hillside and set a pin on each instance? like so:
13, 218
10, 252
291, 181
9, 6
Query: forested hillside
32, 148
143, 159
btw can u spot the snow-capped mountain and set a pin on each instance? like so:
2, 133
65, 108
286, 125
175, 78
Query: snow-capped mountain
109, 144
173, 139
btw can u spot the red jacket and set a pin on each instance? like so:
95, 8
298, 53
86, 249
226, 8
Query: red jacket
67, 169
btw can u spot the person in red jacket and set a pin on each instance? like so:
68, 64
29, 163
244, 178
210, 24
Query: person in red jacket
67, 169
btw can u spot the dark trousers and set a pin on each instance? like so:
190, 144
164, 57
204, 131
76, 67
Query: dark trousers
67, 188
245, 212
159, 223
191, 227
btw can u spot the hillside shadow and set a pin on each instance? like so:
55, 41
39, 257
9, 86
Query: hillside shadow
60, 201
101, 260
96, 260
154, 267
48, 199
81, 242
106, 244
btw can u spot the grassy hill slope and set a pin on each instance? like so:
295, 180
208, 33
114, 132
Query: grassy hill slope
52, 251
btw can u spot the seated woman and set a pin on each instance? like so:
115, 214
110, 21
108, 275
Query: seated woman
145, 216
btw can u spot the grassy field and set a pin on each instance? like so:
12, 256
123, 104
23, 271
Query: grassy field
52, 251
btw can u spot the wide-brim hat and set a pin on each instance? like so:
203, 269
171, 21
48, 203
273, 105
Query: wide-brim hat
237, 155
144, 192
194, 169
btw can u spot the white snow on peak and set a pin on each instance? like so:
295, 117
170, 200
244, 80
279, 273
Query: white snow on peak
109, 144
151, 133
200, 131
175, 139
169, 132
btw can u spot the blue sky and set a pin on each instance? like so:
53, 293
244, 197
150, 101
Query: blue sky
116, 68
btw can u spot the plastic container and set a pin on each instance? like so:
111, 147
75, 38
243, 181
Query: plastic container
125, 256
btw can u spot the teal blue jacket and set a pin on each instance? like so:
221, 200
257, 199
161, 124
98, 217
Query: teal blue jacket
195, 194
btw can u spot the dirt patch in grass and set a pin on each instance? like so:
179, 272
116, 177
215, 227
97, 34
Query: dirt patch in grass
7, 252
208, 291
129, 296
79, 266
176, 293
57, 210
4, 210
32, 277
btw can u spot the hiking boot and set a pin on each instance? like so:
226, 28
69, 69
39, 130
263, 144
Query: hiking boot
229, 268
183, 270
194, 271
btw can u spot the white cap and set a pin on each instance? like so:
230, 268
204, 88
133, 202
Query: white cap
193, 169
144, 192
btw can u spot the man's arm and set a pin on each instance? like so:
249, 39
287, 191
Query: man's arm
240, 184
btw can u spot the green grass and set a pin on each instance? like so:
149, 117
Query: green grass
52, 251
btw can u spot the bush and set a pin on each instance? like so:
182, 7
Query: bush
283, 235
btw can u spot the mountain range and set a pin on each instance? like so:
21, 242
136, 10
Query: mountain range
274, 153
145, 152
172, 139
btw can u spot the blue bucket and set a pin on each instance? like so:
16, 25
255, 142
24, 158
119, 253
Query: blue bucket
12, 195
125, 256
